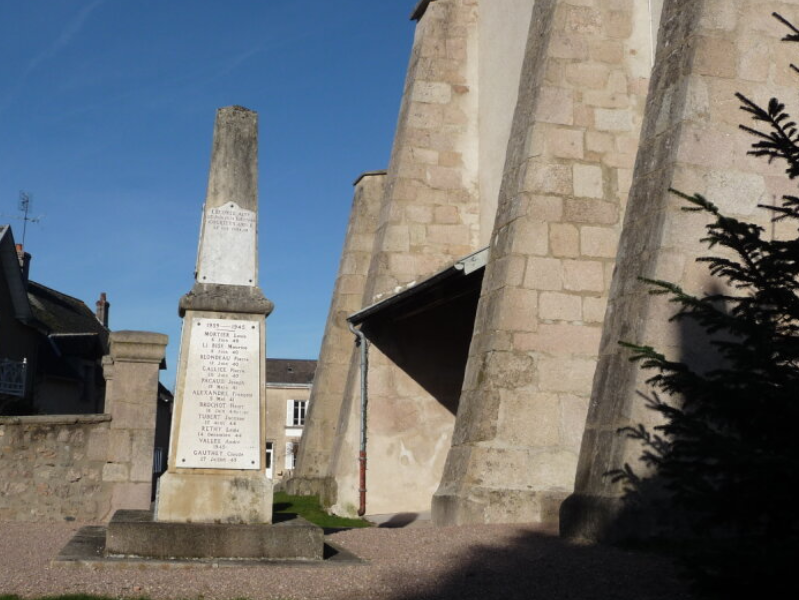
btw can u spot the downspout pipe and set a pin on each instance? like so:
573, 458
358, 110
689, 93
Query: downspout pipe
363, 344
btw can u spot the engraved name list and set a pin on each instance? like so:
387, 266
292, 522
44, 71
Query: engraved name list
221, 417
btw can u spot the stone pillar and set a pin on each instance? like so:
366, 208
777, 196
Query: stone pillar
567, 175
330, 382
708, 50
135, 360
217, 468
428, 219
430, 213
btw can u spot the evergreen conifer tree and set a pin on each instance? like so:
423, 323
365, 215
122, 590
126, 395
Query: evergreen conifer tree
727, 454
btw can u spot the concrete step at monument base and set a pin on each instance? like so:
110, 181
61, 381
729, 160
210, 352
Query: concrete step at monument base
134, 533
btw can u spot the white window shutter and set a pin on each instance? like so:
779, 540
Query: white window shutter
289, 413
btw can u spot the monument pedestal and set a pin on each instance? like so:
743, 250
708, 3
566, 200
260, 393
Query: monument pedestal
216, 468
211, 498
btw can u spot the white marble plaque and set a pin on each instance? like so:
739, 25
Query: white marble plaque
220, 416
227, 253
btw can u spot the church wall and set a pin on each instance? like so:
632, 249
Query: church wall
502, 41
708, 50
429, 218
520, 118
428, 346
567, 174
338, 349
429, 214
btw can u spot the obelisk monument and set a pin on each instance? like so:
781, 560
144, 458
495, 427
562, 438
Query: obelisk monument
217, 472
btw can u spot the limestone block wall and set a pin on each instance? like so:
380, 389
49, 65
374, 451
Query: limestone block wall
430, 214
84, 467
429, 217
567, 175
51, 468
335, 358
708, 50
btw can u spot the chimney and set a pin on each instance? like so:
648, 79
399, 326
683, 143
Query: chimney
102, 310
24, 262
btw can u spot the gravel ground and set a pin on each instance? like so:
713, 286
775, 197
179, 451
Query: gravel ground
485, 561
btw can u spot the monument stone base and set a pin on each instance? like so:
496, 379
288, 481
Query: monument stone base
135, 534
325, 488
211, 498
486, 505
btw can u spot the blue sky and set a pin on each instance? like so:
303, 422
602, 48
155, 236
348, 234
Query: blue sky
106, 117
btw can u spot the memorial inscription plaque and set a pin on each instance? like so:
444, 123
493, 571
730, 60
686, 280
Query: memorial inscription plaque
228, 230
220, 421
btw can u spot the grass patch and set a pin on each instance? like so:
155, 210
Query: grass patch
309, 508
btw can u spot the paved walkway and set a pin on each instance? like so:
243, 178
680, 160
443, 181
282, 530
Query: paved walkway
404, 563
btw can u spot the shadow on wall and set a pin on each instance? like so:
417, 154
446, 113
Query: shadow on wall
429, 336
537, 564
721, 463
646, 511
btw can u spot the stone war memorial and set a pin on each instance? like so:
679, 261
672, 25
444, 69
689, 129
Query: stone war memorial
215, 500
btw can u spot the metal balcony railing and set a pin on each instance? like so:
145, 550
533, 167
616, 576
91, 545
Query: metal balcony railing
12, 377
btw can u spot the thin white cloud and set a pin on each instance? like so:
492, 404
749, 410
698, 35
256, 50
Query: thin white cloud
67, 34
229, 65
70, 30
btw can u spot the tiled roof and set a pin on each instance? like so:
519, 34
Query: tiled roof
290, 370
62, 314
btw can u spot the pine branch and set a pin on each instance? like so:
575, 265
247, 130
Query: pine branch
790, 37
781, 141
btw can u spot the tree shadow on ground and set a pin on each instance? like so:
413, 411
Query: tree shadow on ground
400, 520
536, 564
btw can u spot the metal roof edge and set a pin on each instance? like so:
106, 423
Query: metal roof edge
368, 174
466, 265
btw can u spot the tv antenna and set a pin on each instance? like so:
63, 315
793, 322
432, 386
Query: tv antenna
25, 204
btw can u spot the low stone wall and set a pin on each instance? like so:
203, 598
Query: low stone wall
85, 467
51, 468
